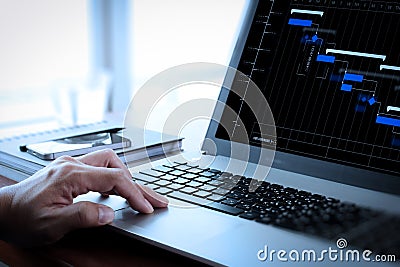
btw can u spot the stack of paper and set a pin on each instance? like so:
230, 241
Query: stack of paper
18, 165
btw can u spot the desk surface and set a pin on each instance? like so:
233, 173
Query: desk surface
90, 247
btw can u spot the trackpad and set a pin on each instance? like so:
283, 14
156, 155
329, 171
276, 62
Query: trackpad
180, 227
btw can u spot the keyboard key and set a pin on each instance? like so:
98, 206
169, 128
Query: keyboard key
162, 183
168, 177
236, 178
221, 191
188, 190
206, 203
171, 165
215, 182
291, 190
176, 172
225, 208
262, 188
163, 191
241, 188
244, 206
189, 198
208, 174
175, 186
225, 175
278, 186
202, 179
195, 170
302, 193
189, 175
182, 167
194, 184
152, 173
236, 195
202, 194
181, 181
228, 185
215, 197
247, 181
207, 187
162, 168
249, 215
260, 208
230, 201
144, 178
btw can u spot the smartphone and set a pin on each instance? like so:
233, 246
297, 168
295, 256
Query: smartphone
78, 145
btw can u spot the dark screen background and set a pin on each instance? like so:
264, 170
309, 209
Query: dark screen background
313, 115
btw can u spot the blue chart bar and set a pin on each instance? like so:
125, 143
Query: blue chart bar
325, 58
300, 22
388, 121
346, 87
353, 77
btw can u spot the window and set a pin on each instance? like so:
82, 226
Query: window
42, 42
47, 45
173, 32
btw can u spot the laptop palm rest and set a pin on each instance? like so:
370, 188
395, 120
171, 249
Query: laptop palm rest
209, 236
186, 227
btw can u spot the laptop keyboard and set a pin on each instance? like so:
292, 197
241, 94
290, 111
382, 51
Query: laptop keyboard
276, 205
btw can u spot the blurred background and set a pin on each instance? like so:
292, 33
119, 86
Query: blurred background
68, 62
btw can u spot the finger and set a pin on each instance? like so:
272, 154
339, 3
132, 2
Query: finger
102, 179
155, 199
104, 158
83, 215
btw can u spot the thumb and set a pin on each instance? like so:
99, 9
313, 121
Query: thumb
85, 214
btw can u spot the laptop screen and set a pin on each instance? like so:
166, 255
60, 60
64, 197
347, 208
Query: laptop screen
330, 71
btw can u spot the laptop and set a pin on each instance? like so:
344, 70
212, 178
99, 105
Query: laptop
330, 73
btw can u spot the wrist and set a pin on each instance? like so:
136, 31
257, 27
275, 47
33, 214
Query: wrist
6, 198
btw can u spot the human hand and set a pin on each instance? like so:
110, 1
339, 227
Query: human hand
40, 209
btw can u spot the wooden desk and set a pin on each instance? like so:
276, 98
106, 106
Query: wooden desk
91, 247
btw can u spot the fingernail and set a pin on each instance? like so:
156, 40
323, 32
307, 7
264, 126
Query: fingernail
106, 215
149, 207
163, 199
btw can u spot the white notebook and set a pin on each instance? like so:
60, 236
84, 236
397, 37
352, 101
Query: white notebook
17, 164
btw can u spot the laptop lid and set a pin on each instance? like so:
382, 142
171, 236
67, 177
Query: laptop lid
331, 74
